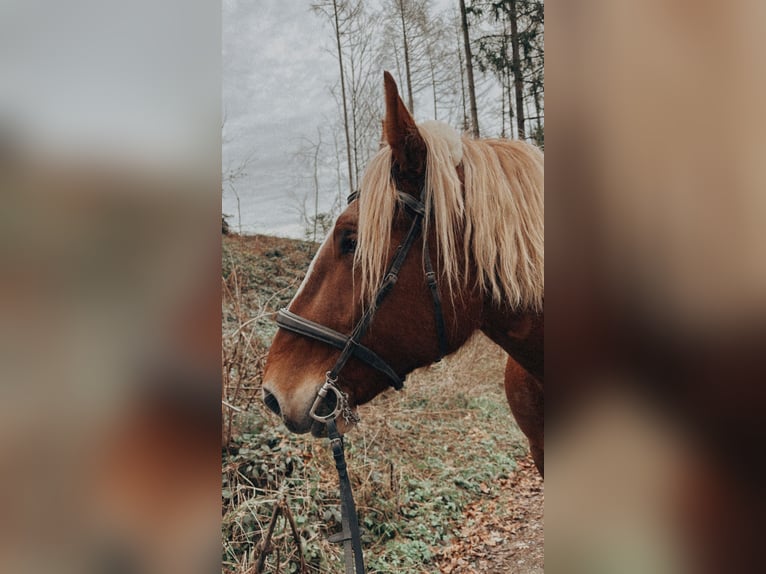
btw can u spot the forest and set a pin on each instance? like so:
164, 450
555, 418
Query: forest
477, 65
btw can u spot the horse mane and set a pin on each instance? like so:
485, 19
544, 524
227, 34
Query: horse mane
497, 221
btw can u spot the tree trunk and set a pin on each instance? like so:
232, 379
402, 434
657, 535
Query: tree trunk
509, 88
398, 64
529, 59
432, 67
354, 127
502, 108
339, 200
316, 182
469, 70
462, 82
505, 81
509, 93
410, 102
518, 77
536, 96
343, 97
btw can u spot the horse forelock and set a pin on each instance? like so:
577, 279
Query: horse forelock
377, 200
493, 218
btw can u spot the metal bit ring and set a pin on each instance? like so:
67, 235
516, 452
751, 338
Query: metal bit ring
340, 401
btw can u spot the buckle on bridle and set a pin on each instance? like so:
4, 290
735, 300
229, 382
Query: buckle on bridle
329, 385
341, 403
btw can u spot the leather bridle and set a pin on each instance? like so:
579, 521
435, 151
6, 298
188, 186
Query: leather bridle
350, 346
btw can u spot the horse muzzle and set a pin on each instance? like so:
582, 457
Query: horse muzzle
308, 416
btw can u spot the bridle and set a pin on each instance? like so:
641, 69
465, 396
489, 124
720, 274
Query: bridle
350, 346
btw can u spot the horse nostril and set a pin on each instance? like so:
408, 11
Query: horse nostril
271, 401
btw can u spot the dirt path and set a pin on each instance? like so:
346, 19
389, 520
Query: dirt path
503, 533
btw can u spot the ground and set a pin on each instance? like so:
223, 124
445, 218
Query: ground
441, 474
502, 535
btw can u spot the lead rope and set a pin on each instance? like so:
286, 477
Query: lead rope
350, 534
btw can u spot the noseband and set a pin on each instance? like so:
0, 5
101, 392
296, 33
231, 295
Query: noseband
350, 345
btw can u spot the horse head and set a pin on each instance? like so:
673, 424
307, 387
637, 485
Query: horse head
347, 271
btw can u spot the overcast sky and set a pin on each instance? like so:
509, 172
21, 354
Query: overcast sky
276, 77
278, 68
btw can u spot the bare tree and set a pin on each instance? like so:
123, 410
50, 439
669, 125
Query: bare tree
406, 45
438, 53
232, 174
461, 68
469, 71
340, 12
363, 87
512, 48
312, 154
418, 43
317, 148
518, 78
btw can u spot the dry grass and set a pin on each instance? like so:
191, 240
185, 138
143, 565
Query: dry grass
260, 274
416, 460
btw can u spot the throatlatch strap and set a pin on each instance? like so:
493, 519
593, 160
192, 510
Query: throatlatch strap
441, 332
351, 535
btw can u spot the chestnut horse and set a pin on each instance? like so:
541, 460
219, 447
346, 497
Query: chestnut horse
482, 218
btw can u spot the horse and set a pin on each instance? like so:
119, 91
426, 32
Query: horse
477, 204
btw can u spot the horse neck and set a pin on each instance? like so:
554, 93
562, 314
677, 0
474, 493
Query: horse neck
519, 333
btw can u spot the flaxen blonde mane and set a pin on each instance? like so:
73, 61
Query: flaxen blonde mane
497, 222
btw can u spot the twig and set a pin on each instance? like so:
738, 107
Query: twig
280, 507
289, 516
232, 407
266, 542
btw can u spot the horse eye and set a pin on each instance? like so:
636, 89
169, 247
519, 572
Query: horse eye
348, 244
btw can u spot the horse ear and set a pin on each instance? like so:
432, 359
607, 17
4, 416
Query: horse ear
401, 133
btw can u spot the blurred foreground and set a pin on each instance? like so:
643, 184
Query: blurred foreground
109, 292
109, 414
656, 301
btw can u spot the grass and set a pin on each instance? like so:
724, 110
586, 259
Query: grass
416, 460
